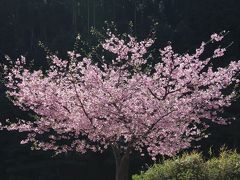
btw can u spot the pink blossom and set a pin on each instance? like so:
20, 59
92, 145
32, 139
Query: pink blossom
96, 108
216, 37
219, 52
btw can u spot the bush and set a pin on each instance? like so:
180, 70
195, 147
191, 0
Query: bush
193, 167
227, 166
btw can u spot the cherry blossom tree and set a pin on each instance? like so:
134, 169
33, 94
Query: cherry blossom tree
126, 105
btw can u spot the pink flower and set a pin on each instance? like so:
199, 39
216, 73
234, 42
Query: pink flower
216, 37
219, 52
121, 106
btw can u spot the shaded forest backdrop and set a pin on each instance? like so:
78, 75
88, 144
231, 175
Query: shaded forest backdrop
23, 23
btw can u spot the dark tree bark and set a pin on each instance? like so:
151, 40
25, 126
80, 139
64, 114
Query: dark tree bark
122, 163
88, 15
74, 15
94, 13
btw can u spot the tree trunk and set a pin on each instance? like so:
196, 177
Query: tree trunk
94, 13
74, 15
122, 164
88, 15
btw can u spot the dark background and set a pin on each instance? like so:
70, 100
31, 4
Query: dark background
23, 23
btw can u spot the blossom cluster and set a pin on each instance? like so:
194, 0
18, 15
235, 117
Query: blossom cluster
95, 107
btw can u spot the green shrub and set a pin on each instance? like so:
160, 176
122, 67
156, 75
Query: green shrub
186, 167
225, 167
193, 167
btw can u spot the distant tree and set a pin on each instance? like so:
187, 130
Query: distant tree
127, 105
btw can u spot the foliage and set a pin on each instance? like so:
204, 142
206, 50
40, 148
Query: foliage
187, 166
193, 166
226, 166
